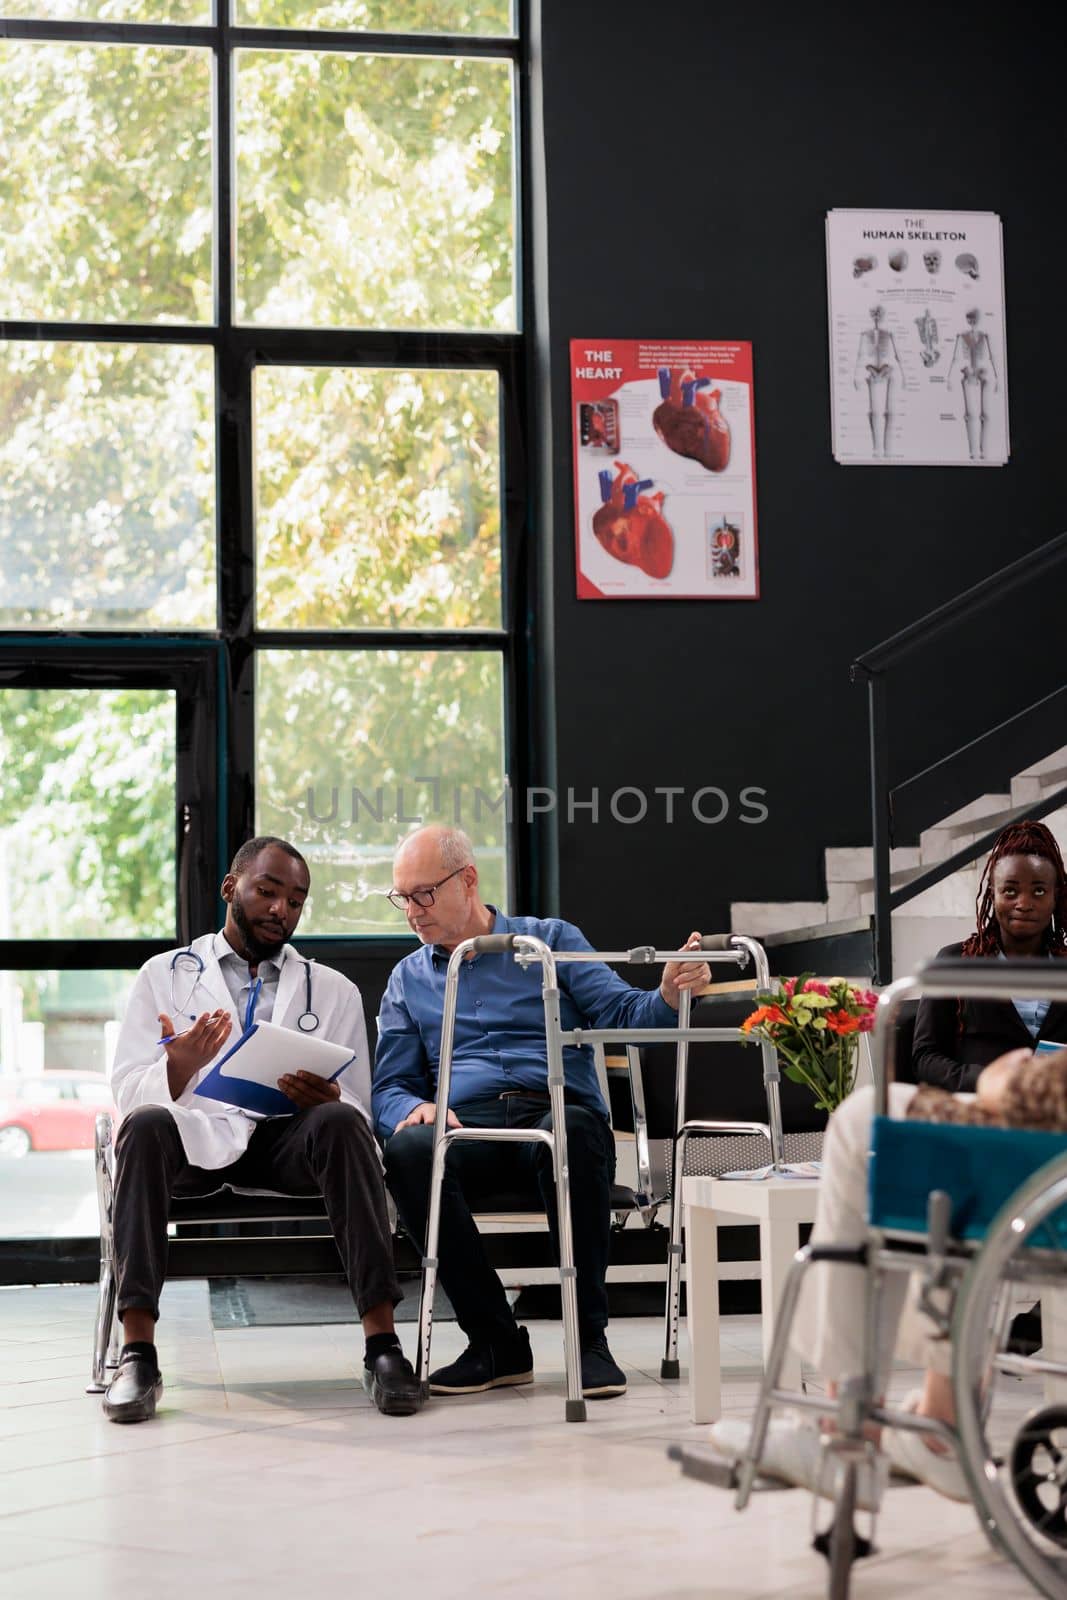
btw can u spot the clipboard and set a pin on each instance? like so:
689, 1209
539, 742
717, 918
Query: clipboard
247, 1075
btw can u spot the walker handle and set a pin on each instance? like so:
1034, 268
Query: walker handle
716, 941
491, 943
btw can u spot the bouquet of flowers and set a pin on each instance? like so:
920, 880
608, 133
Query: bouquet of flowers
815, 1026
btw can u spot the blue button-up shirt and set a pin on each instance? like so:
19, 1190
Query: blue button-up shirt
500, 1023
1032, 1013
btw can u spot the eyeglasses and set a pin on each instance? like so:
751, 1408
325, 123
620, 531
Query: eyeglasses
423, 898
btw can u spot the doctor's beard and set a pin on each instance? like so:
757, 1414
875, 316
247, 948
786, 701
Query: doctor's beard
258, 949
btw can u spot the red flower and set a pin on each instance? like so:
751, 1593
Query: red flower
841, 1022
763, 1014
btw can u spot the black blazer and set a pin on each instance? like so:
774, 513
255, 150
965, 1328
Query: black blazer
951, 1052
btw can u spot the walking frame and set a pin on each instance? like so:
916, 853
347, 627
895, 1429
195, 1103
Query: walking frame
730, 949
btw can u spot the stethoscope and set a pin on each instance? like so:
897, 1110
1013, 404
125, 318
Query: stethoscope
191, 966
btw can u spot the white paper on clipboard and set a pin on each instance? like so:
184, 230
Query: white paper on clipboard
266, 1053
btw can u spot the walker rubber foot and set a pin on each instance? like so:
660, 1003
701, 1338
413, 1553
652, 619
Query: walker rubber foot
861, 1547
705, 1465
575, 1410
669, 1369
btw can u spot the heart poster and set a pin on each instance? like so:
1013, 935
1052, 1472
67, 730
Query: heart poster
664, 469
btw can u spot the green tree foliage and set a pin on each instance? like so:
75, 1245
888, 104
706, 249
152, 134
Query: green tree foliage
378, 498
354, 746
383, 16
87, 806
105, 188
374, 191
107, 486
371, 192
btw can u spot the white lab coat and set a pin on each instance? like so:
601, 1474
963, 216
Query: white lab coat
214, 1135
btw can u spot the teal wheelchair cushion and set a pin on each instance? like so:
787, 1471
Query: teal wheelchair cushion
979, 1168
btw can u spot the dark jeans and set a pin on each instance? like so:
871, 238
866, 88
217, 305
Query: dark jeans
327, 1151
475, 1171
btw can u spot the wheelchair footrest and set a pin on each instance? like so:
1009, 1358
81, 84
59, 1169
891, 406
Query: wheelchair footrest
705, 1466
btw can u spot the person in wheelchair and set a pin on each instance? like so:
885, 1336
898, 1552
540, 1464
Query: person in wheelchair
1021, 913
1018, 1090
172, 1142
500, 1079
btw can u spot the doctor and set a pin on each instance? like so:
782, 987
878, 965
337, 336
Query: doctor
185, 1009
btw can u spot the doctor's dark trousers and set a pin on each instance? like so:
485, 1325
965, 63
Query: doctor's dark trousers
328, 1151
475, 1172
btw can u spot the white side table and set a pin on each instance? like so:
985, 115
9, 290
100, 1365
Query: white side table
779, 1205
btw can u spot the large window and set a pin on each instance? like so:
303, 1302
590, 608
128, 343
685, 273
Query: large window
261, 490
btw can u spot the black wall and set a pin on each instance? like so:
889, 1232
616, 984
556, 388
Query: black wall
692, 151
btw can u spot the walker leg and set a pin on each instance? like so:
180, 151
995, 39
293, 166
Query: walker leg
669, 1365
574, 1410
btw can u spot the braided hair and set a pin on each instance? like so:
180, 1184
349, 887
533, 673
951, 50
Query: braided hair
1020, 839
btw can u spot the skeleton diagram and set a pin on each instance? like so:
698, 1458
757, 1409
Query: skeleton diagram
927, 326
974, 356
877, 361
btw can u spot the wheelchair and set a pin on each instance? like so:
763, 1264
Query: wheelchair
980, 1215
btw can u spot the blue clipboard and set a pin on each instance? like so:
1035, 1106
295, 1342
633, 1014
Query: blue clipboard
264, 1099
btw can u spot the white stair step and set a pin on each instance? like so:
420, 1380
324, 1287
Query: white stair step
1057, 761
987, 805
918, 939
952, 897
937, 844
758, 917
1031, 786
856, 865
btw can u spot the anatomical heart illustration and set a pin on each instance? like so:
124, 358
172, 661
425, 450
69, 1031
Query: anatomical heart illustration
663, 460
689, 421
630, 523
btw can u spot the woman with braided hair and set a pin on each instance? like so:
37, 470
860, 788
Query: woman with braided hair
1022, 912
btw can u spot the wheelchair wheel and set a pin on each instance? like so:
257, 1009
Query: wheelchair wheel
1017, 1477
1039, 1471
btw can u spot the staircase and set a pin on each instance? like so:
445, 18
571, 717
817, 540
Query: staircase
834, 933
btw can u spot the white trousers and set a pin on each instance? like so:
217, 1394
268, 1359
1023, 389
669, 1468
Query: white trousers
829, 1328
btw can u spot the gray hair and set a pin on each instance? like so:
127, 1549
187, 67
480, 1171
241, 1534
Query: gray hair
456, 849
453, 845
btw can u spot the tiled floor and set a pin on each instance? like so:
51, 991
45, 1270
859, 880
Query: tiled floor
269, 1473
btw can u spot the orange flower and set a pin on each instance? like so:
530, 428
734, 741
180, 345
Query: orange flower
763, 1014
841, 1022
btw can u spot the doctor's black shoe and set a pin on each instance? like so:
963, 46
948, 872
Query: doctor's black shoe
390, 1381
132, 1393
487, 1366
602, 1376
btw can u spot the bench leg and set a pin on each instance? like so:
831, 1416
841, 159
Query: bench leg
105, 1328
105, 1331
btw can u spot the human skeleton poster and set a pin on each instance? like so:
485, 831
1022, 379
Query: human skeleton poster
918, 358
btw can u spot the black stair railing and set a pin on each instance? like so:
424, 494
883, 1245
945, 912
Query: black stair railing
874, 666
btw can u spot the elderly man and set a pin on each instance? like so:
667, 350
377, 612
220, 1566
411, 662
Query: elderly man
172, 1141
500, 1078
